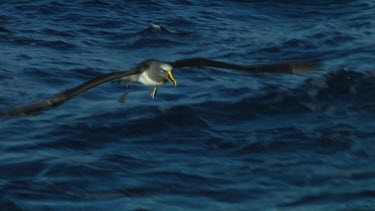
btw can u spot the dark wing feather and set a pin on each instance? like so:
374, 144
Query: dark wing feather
270, 68
66, 95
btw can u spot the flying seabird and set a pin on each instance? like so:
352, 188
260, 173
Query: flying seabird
153, 73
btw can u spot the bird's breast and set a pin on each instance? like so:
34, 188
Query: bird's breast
146, 80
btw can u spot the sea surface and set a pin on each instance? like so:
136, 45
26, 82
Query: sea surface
221, 139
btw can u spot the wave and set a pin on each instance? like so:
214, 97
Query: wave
154, 28
55, 44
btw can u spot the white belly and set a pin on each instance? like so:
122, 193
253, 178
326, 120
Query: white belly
144, 79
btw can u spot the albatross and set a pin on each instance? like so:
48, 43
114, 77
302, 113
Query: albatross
153, 73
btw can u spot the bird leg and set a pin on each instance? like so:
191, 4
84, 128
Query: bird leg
153, 92
123, 97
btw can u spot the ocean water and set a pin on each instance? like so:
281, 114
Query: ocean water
220, 140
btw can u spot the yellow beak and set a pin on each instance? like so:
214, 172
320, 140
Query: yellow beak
171, 78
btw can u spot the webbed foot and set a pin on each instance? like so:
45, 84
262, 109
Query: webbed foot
153, 92
123, 97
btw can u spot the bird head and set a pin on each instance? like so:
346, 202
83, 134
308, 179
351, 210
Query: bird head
161, 71
166, 72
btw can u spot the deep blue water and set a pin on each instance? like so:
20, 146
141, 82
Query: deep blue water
232, 141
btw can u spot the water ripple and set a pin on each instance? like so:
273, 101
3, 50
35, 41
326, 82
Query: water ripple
221, 140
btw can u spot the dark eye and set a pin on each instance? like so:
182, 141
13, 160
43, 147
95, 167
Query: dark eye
161, 70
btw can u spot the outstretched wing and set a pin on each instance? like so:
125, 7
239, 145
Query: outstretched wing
292, 68
66, 95
198, 62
